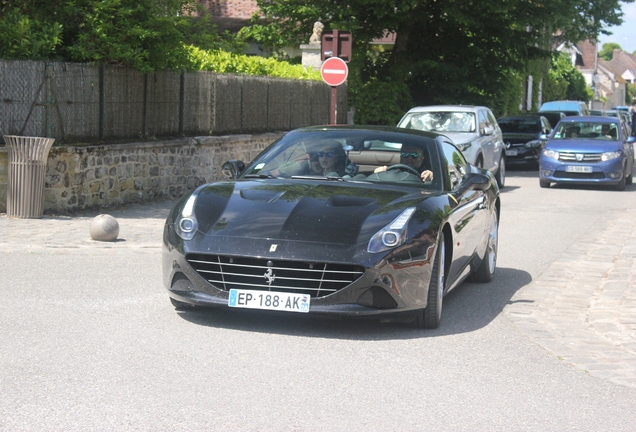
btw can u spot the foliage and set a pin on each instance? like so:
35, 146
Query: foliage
381, 102
225, 62
630, 95
607, 52
564, 81
454, 51
146, 34
140, 33
377, 98
26, 38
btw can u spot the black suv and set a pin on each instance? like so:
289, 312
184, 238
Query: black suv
521, 138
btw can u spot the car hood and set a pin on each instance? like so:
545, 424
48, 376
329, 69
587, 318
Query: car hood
461, 137
519, 137
296, 210
583, 146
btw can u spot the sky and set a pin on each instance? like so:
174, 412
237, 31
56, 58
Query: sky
625, 35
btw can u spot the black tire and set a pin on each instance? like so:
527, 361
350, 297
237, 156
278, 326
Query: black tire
544, 184
181, 305
479, 163
486, 269
501, 173
621, 185
431, 316
630, 179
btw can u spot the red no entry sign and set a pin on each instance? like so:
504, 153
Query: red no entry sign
334, 71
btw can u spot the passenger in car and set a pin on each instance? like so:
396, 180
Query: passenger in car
573, 132
332, 159
606, 132
413, 157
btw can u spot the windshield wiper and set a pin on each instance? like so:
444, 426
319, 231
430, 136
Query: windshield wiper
263, 176
328, 178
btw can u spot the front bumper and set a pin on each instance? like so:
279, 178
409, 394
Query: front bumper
609, 172
392, 284
522, 156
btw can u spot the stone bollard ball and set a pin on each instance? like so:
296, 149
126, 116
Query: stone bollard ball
104, 228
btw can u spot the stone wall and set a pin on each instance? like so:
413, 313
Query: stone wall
98, 176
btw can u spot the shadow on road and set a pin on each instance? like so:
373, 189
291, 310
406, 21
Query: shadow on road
469, 307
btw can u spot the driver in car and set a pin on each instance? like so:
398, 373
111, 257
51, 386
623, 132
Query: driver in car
412, 156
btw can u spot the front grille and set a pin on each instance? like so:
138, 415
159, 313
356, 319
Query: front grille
592, 175
587, 157
314, 279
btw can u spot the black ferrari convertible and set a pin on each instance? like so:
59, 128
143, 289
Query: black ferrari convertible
344, 220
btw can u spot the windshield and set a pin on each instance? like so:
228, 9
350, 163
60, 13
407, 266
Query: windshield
587, 130
441, 121
520, 125
351, 155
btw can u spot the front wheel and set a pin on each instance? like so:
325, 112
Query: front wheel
431, 316
486, 269
621, 185
544, 184
501, 173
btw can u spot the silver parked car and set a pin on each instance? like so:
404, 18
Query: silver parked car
473, 129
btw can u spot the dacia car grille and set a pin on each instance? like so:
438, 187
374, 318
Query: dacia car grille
587, 157
312, 278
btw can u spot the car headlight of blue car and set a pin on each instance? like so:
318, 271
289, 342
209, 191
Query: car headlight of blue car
610, 155
552, 154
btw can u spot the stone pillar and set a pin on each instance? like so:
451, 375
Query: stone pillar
311, 55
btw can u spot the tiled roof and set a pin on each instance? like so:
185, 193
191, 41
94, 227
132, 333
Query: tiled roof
588, 53
610, 67
622, 61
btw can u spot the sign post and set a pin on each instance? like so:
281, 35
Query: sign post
335, 51
334, 71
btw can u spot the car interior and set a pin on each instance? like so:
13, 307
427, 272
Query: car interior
360, 157
587, 130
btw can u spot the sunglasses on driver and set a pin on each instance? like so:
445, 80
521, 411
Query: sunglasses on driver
327, 154
413, 155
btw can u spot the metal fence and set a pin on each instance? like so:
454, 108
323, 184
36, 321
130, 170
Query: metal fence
84, 103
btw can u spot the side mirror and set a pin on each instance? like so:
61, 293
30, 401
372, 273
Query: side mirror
489, 130
631, 139
474, 181
232, 169
478, 182
543, 137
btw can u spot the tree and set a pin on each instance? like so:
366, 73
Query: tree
453, 51
146, 34
630, 97
564, 81
607, 52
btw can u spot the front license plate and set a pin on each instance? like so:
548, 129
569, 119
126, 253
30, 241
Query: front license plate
578, 169
270, 300
511, 152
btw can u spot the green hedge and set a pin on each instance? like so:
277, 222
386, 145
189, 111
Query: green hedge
226, 62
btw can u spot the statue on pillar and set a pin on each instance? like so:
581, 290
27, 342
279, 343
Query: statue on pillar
311, 51
317, 33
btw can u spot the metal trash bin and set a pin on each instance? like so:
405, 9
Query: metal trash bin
27, 167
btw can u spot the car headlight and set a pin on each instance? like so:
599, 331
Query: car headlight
187, 224
463, 146
533, 144
551, 154
610, 155
392, 235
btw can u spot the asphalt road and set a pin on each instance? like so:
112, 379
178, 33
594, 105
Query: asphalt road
89, 341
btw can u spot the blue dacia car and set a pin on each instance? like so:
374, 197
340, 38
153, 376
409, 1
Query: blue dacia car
587, 150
